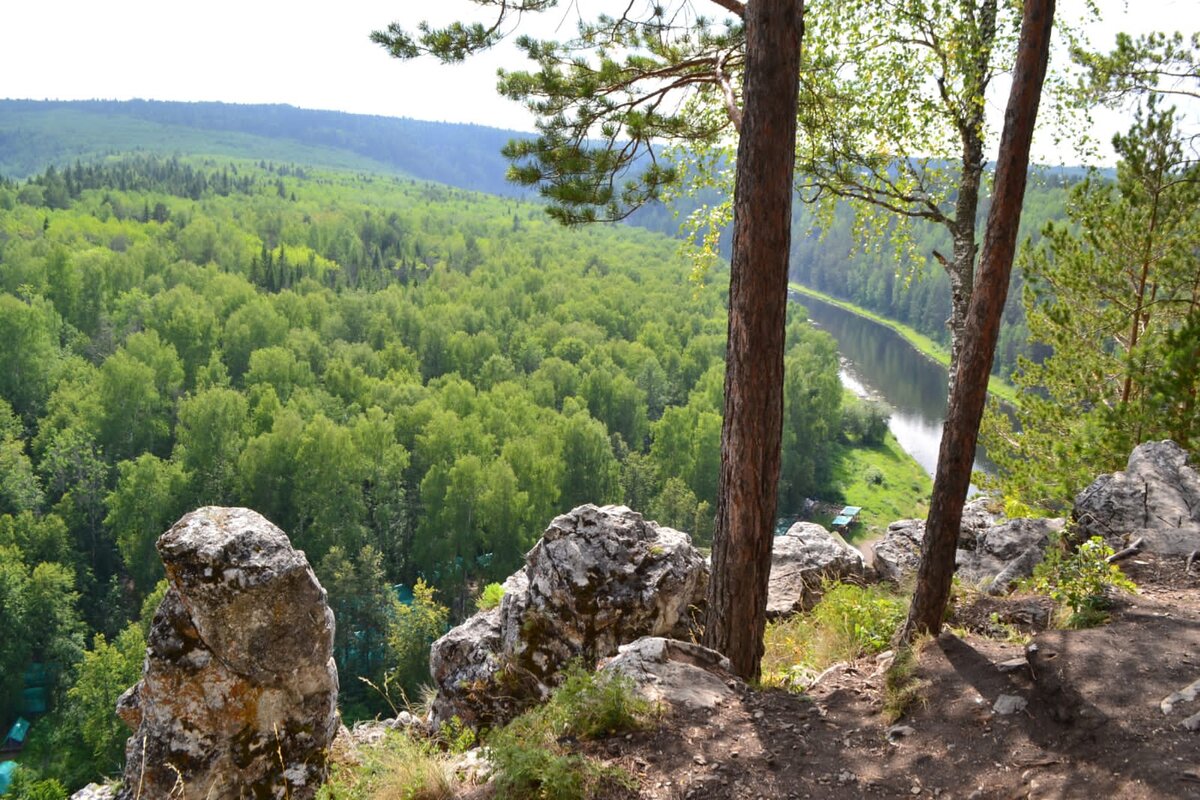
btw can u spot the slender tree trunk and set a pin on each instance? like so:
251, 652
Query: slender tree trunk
970, 122
1138, 310
961, 270
752, 429
961, 429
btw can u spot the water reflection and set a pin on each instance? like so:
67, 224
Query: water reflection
880, 363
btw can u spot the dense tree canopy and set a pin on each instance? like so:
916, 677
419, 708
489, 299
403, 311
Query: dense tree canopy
1114, 294
419, 388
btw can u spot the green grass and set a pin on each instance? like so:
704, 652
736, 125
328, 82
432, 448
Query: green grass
401, 767
849, 622
530, 754
923, 344
903, 492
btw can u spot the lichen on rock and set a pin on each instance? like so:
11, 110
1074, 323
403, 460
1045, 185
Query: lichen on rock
238, 696
597, 579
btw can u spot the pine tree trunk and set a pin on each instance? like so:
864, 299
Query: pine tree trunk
961, 429
752, 429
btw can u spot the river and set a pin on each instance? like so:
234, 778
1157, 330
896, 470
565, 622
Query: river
878, 362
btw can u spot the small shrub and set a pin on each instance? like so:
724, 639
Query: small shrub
873, 476
403, 768
857, 620
528, 753
600, 704
1080, 581
1015, 507
26, 786
490, 597
456, 736
901, 688
850, 621
409, 636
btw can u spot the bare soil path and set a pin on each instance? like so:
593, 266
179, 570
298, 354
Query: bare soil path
1091, 726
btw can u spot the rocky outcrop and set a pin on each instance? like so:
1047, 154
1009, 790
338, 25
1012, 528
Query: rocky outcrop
992, 551
898, 554
597, 579
801, 560
1006, 553
1156, 499
678, 673
238, 696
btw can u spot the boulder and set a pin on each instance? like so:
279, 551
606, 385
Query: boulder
1156, 498
977, 517
898, 554
1006, 553
679, 673
597, 579
992, 551
238, 696
96, 791
801, 560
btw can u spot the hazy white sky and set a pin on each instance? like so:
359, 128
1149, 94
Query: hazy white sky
309, 54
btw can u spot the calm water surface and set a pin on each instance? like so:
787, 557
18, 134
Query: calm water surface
879, 363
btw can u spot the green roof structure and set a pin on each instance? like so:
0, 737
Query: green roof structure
18, 731
846, 516
6, 770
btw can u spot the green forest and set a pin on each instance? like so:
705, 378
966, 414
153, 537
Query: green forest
34, 134
902, 283
411, 380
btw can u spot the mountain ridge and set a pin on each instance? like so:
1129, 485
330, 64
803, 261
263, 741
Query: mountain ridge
37, 133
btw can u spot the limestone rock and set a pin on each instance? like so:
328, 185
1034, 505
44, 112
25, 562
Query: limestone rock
992, 550
679, 673
1156, 498
238, 695
96, 791
977, 517
800, 560
597, 579
898, 554
1007, 704
1007, 552
466, 665
1014, 571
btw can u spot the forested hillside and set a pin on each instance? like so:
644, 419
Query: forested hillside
411, 380
34, 135
904, 284
900, 280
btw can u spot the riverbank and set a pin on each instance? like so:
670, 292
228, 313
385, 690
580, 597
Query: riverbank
884, 480
919, 341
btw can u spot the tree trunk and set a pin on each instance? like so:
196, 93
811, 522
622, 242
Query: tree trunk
961, 270
752, 429
970, 122
961, 429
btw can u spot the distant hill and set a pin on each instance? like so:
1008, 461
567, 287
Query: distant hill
35, 134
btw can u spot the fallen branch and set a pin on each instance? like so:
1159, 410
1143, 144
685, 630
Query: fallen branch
1133, 549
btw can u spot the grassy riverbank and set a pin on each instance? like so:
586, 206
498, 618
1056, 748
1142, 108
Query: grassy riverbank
884, 480
923, 344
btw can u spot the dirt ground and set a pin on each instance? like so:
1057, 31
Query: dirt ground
1092, 727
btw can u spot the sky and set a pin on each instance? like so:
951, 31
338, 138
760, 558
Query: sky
318, 54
